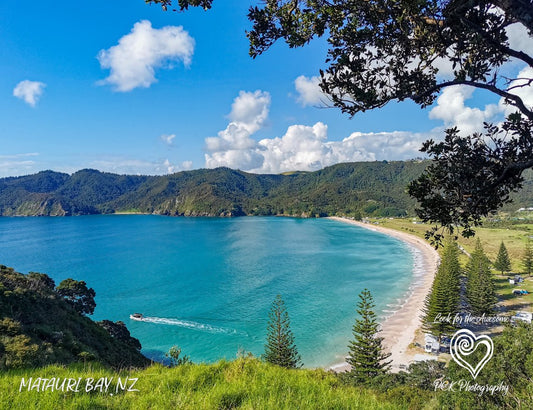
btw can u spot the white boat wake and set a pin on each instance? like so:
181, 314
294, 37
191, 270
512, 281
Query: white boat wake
203, 327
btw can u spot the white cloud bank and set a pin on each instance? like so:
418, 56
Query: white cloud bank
137, 55
302, 147
29, 91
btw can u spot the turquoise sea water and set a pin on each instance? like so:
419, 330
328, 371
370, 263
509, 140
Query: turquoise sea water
207, 284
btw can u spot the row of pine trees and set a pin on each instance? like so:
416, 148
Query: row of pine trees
469, 290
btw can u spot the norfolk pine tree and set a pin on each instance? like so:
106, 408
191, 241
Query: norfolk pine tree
366, 355
502, 262
445, 293
280, 348
480, 291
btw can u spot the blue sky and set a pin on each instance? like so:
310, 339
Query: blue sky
124, 87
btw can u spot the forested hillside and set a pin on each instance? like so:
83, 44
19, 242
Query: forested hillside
357, 189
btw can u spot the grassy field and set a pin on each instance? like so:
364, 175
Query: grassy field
243, 383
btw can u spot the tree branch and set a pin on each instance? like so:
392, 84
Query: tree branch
517, 101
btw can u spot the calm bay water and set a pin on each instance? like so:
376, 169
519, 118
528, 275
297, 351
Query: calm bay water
207, 284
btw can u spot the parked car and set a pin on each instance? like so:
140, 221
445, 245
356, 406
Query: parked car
526, 317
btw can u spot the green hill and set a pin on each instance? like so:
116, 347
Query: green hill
38, 327
359, 189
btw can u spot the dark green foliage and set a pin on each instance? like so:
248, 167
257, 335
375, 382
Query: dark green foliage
38, 327
280, 348
527, 258
445, 293
472, 177
380, 51
119, 331
183, 4
480, 291
40, 281
423, 374
174, 356
502, 262
366, 356
78, 295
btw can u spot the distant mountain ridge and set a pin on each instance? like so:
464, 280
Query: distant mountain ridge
358, 189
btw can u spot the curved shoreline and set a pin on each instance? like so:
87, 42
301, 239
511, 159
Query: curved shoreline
398, 330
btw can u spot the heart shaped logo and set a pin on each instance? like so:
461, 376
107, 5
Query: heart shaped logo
464, 343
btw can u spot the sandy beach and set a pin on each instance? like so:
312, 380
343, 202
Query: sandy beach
398, 330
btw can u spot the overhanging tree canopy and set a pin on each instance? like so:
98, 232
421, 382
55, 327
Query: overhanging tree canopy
383, 50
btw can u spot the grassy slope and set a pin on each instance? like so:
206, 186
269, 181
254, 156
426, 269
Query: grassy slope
243, 383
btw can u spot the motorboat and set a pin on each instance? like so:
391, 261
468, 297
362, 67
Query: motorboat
137, 316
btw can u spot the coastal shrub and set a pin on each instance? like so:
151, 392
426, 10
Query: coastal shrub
231, 400
174, 356
38, 326
19, 352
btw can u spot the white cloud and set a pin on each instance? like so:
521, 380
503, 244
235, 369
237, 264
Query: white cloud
170, 168
249, 113
451, 109
250, 110
305, 148
309, 92
519, 38
186, 165
168, 139
525, 92
136, 56
29, 91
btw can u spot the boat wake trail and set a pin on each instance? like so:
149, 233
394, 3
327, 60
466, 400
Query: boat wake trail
203, 327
